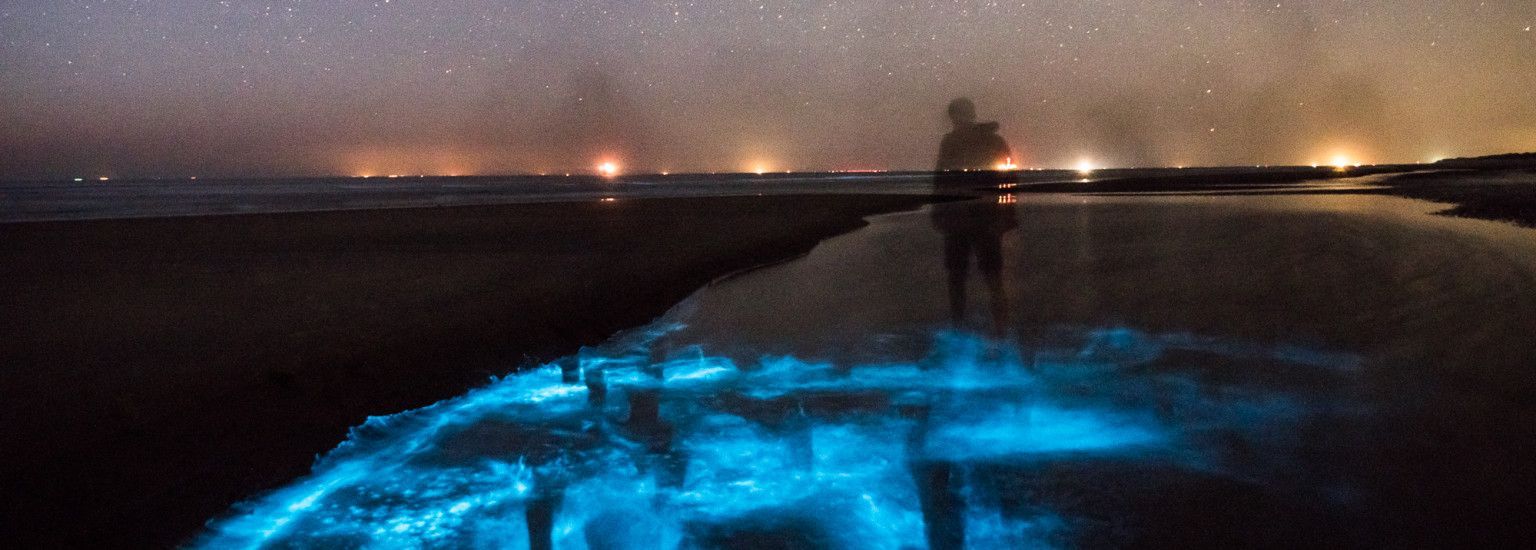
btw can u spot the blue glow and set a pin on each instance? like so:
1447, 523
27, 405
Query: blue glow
824, 450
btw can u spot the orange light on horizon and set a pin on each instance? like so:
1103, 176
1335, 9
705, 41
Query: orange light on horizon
608, 169
1343, 162
1007, 165
1085, 167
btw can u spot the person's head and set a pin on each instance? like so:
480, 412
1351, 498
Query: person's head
962, 112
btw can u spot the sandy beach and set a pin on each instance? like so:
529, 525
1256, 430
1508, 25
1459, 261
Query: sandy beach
1297, 367
767, 275
164, 369
159, 370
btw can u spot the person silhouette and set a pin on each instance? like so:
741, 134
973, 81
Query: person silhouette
971, 146
972, 160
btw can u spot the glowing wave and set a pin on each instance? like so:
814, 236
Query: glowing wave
619, 449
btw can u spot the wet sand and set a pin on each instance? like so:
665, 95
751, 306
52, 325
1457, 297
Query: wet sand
159, 370
1168, 371
224, 351
1422, 443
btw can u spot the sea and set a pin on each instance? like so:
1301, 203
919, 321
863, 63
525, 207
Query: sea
37, 201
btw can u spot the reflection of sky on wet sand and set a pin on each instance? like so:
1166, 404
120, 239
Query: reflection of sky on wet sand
1190, 370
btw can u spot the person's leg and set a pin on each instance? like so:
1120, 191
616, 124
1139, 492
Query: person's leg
943, 509
957, 262
597, 388
540, 514
989, 259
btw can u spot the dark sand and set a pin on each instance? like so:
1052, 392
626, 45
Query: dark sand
1504, 195
159, 370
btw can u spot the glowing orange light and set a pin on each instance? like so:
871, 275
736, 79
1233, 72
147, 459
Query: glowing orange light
1007, 165
1085, 167
608, 169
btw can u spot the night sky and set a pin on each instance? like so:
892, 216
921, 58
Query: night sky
129, 88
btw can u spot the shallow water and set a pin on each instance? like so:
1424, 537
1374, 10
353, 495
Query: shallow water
1167, 371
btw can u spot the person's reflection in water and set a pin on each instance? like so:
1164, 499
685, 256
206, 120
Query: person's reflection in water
974, 159
937, 481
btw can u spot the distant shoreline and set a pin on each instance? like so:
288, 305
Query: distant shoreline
150, 198
1496, 192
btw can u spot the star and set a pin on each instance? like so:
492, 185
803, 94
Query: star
550, 86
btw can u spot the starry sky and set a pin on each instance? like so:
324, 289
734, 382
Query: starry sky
175, 88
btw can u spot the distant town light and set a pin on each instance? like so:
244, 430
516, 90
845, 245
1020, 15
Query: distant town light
1085, 167
608, 169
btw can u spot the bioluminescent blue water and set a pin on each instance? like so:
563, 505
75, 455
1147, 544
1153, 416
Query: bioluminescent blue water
636, 446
